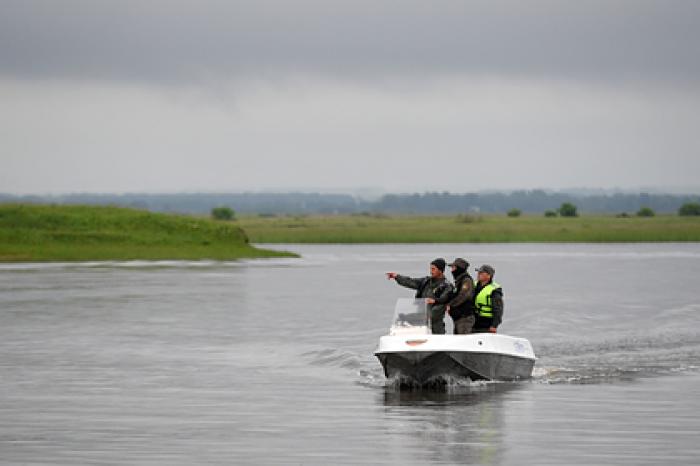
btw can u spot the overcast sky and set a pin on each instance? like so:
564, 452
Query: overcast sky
399, 96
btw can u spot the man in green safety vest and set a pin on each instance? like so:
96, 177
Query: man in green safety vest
488, 301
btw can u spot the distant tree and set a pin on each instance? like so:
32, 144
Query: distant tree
567, 209
550, 213
689, 208
645, 212
514, 213
223, 213
623, 215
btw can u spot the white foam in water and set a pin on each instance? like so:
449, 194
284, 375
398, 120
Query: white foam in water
539, 372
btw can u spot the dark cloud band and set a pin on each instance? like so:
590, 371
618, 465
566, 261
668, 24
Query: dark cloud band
183, 41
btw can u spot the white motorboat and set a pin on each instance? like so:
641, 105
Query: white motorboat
414, 356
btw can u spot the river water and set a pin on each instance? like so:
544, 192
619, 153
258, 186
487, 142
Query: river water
270, 361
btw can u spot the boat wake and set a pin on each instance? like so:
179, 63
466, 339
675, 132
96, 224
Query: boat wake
368, 372
583, 361
612, 359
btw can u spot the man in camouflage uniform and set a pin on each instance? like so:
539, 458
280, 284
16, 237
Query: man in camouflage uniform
435, 289
461, 306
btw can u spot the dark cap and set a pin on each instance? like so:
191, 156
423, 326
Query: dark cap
488, 269
439, 263
460, 263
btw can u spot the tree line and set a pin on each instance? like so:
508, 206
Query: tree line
527, 202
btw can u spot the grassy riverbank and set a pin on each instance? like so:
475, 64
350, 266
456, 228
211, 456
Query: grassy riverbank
78, 233
476, 229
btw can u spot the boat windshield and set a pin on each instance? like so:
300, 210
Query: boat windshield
410, 317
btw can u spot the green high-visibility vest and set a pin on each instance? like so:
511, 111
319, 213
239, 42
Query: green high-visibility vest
484, 307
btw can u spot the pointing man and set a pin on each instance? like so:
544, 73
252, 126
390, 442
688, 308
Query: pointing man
435, 288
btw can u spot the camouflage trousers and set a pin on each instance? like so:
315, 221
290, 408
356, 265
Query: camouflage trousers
437, 325
464, 325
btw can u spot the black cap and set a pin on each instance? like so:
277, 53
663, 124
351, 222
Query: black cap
439, 263
488, 269
459, 263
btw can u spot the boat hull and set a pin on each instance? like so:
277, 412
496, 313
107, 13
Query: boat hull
429, 359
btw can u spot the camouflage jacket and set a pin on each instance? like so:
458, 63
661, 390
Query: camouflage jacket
462, 302
427, 287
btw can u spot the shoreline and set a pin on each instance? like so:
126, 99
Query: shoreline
50, 233
478, 229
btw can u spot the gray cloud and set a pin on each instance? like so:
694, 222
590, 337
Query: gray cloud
178, 41
460, 135
405, 95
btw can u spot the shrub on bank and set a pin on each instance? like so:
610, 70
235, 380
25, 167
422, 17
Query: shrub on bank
223, 213
645, 212
514, 213
689, 208
567, 209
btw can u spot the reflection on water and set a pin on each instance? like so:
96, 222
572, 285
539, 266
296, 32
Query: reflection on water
462, 424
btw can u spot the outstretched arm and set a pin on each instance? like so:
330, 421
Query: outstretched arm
408, 282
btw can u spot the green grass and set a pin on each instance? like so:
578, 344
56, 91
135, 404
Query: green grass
470, 229
78, 233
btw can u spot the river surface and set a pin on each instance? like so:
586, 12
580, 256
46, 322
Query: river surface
270, 361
